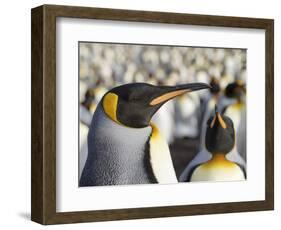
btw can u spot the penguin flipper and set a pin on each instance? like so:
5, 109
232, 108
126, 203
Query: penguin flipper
202, 157
235, 157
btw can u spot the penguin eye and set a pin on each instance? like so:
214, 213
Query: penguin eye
125, 97
132, 98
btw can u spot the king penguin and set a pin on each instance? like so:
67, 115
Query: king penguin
124, 147
207, 110
237, 112
220, 140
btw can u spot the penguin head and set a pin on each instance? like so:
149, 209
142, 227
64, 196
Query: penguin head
89, 99
133, 105
235, 90
215, 86
220, 134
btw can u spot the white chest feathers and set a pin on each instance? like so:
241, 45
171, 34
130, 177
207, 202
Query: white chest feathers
160, 158
218, 169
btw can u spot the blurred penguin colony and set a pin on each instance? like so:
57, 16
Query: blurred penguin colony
104, 66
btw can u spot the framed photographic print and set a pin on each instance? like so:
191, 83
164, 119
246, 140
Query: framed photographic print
140, 114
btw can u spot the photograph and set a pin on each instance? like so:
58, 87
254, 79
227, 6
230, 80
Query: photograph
149, 114
159, 114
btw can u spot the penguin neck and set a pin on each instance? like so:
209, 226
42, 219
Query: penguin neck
116, 152
155, 131
218, 157
219, 160
239, 104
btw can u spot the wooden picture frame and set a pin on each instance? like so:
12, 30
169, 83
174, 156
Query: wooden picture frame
43, 208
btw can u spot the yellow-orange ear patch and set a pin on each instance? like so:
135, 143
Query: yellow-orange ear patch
221, 121
109, 105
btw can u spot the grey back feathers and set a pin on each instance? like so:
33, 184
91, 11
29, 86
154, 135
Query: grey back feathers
117, 154
202, 157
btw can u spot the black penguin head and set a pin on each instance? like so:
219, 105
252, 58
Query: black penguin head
215, 86
89, 98
235, 90
220, 134
134, 104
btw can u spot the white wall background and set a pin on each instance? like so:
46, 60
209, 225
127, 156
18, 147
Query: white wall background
15, 113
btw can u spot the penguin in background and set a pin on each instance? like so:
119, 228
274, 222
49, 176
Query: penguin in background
208, 110
87, 107
220, 140
204, 155
93, 97
124, 147
237, 112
